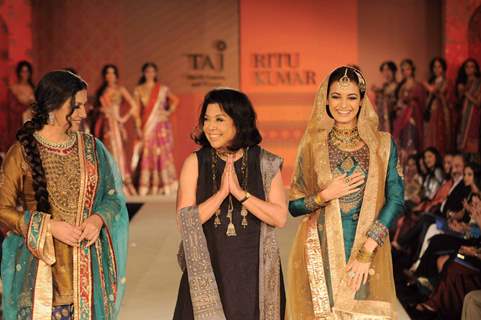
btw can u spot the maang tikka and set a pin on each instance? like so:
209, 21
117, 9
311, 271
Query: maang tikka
344, 81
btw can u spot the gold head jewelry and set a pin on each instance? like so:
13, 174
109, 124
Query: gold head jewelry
344, 81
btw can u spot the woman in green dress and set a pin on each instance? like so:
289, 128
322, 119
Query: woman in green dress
348, 184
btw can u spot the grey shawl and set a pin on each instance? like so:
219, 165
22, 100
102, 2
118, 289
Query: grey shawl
194, 255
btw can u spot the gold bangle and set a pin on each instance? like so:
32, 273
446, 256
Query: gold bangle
364, 256
320, 201
246, 197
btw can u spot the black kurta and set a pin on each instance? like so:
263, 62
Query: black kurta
235, 260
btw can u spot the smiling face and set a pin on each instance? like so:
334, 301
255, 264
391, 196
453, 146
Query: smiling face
218, 127
60, 115
344, 103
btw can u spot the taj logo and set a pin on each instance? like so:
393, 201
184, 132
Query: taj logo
208, 62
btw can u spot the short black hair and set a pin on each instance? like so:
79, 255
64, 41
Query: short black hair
237, 106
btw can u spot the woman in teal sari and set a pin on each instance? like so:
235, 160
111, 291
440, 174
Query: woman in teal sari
348, 183
65, 252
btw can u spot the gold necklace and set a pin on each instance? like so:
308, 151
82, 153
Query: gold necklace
224, 154
62, 145
345, 138
231, 232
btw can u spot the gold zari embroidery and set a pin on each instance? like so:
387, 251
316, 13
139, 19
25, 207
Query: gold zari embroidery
62, 171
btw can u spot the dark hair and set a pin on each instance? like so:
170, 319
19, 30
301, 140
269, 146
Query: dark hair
437, 155
354, 75
144, 68
100, 91
444, 66
411, 64
391, 66
414, 157
476, 173
52, 91
462, 77
237, 106
460, 155
28, 65
403, 81
420, 164
72, 70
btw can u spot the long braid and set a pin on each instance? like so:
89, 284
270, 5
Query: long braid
29, 143
51, 93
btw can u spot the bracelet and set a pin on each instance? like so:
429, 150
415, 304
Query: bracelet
364, 256
378, 232
320, 200
247, 196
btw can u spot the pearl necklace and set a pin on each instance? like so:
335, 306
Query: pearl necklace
62, 145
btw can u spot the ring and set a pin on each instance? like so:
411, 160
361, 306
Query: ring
351, 274
347, 179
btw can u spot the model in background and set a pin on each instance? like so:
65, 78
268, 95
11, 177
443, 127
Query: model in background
157, 103
65, 254
110, 125
438, 114
386, 95
408, 124
468, 85
20, 98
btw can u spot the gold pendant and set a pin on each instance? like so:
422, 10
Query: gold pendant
217, 218
244, 214
231, 230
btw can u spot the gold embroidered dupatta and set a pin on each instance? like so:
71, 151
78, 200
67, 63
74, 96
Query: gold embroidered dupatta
317, 277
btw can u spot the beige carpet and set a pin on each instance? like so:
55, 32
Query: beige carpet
152, 272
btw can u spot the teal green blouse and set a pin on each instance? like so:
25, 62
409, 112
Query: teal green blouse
349, 163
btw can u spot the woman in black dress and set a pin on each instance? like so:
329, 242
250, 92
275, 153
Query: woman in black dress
230, 200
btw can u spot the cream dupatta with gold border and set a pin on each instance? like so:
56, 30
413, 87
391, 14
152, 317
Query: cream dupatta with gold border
317, 277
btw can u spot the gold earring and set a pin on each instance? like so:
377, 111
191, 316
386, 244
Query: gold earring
51, 118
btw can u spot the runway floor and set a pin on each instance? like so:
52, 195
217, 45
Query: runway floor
152, 272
